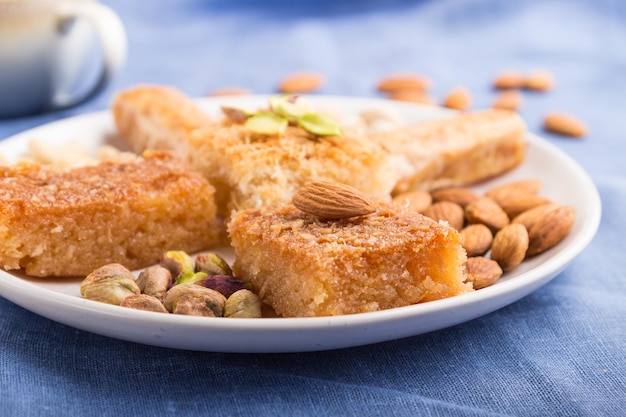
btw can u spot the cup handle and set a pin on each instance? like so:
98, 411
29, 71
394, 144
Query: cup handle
114, 45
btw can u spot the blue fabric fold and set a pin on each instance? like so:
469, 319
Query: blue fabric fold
560, 351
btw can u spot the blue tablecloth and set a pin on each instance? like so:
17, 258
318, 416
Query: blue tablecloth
560, 351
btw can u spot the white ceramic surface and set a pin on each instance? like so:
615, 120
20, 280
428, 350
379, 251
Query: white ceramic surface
47, 48
58, 299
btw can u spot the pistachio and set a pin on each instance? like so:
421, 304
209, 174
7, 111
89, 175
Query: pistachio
243, 304
320, 124
190, 277
266, 123
291, 107
143, 302
212, 264
194, 300
177, 262
155, 281
224, 284
111, 290
104, 273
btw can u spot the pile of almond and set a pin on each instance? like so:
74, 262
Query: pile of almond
500, 228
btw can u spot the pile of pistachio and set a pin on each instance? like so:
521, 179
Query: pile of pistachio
179, 285
284, 111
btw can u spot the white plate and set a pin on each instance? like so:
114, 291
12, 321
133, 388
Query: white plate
563, 181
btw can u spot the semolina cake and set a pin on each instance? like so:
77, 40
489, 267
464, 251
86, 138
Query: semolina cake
303, 266
68, 222
458, 150
248, 169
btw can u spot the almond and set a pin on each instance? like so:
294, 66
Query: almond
508, 100
509, 79
476, 239
509, 246
459, 195
532, 216
487, 212
397, 82
459, 99
332, 201
515, 205
482, 272
450, 212
412, 96
417, 200
505, 191
539, 80
550, 229
564, 124
230, 91
300, 82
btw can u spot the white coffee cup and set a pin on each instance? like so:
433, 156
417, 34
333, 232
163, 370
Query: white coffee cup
46, 46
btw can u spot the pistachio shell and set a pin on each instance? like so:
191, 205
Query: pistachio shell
243, 304
111, 291
212, 264
192, 299
177, 262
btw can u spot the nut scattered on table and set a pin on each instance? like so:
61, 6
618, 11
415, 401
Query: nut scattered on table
508, 100
539, 80
509, 79
412, 96
301, 82
459, 99
403, 82
565, 125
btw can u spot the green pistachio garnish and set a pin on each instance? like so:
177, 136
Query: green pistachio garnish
266, 123
319, 124
290, 107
